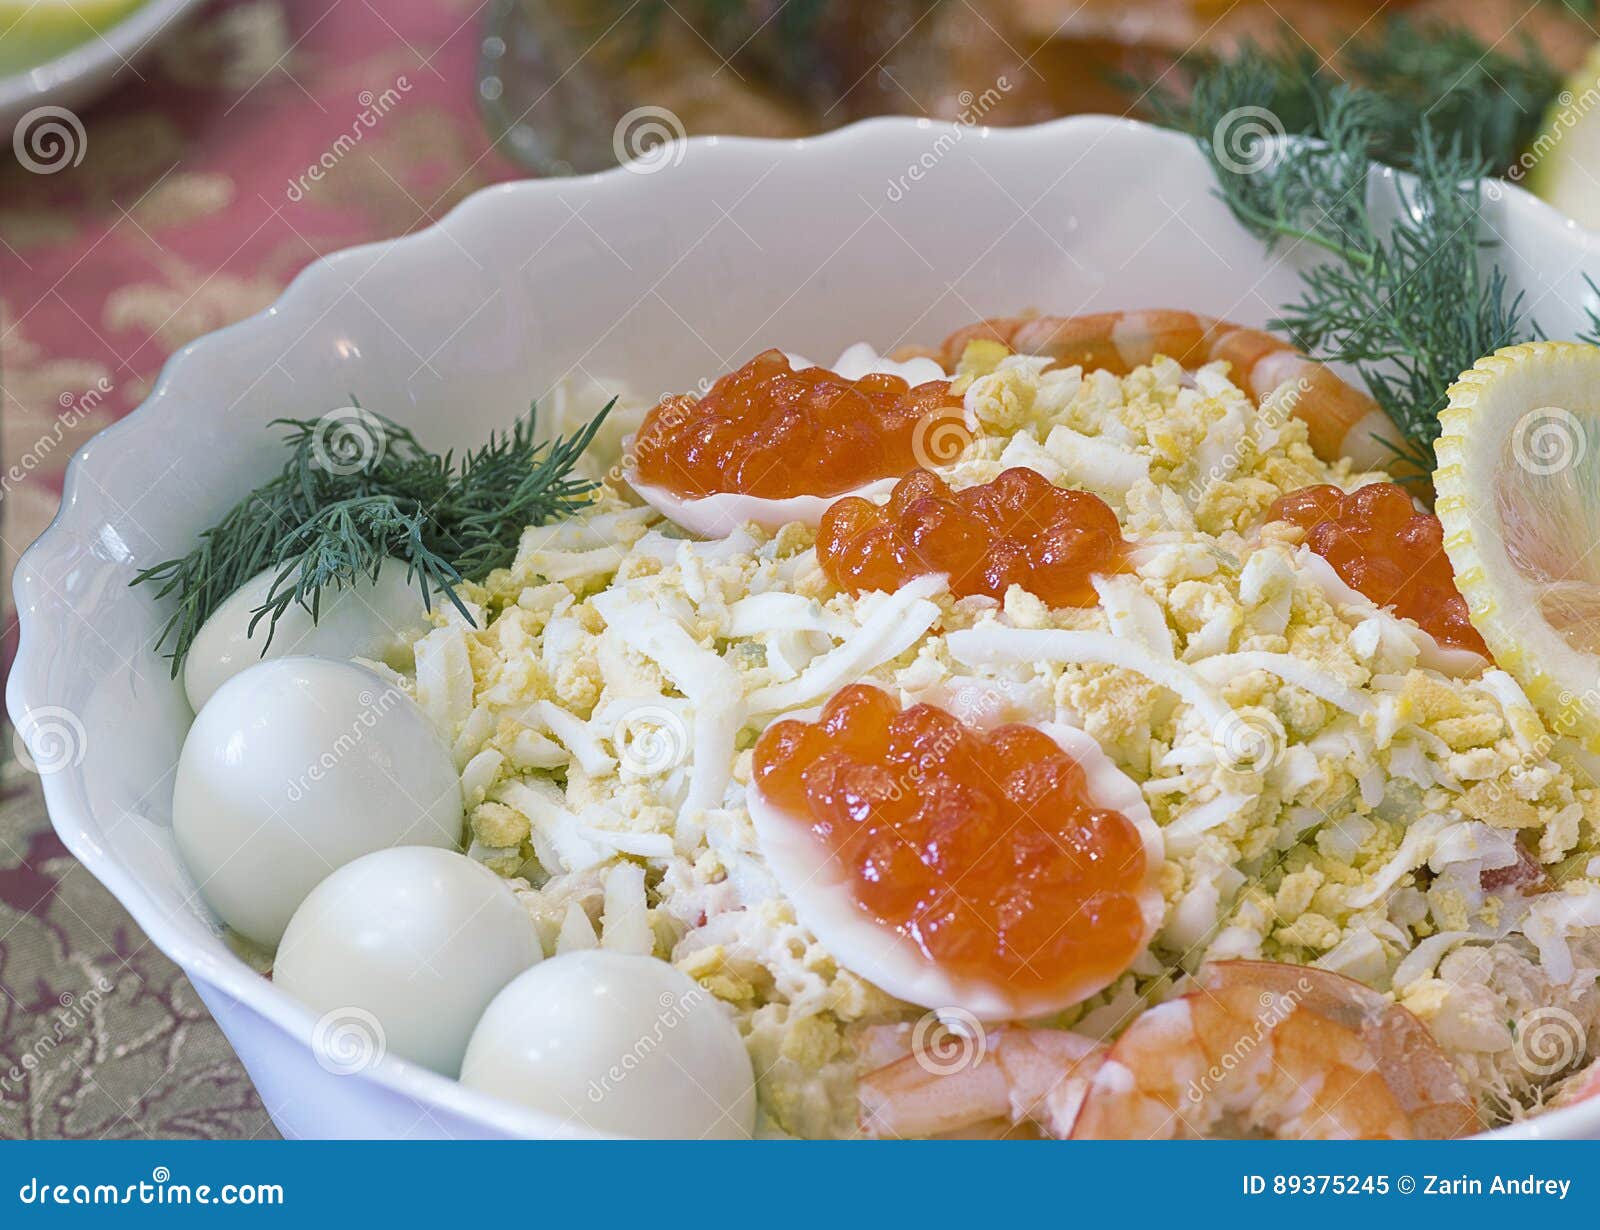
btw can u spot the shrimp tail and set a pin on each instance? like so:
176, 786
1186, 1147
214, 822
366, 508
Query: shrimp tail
1013, 1077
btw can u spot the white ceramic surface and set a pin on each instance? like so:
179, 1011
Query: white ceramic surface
659, 279
79, 75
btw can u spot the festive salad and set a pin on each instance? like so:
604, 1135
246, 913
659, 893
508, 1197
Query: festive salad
1087, 727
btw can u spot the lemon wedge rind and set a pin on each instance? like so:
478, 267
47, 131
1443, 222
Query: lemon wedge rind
1562, 161
1527, 400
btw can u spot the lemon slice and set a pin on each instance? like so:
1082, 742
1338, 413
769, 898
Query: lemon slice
33, 32
1519, 495
1562, 161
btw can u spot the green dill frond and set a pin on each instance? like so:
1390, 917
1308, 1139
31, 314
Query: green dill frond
324, 522
1409, 297
1415, 73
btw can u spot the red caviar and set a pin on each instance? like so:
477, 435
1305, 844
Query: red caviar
769, 431
1380, 544
1019, 529
985, 850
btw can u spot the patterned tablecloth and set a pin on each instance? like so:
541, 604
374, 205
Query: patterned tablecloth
193, 205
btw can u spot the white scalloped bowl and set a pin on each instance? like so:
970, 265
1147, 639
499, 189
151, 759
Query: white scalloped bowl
888, 231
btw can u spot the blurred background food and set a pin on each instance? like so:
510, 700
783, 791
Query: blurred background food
555, 71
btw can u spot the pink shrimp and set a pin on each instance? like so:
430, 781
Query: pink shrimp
1581, 1086
1343, 421
1010, 1081
1291, 1052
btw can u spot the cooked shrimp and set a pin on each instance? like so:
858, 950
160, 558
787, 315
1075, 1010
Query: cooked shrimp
1011, 1079
1290, 1052
1343, 421
1579, 1087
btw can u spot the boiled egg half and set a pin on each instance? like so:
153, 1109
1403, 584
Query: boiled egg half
720, 514
818, 883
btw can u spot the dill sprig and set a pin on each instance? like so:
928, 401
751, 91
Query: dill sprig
1416, 74
357, 490
1404, 295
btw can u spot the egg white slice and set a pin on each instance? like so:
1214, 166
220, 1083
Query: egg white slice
1431, 654
720, 514
818, 886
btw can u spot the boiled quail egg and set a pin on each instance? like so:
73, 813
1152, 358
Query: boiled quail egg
367, 618
618, 1043
294, 768
420, 938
